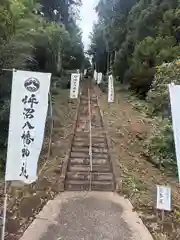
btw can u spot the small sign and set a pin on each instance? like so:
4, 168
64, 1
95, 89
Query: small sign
164, 198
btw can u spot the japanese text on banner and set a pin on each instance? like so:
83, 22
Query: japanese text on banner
75, 78
110, 89
29, 104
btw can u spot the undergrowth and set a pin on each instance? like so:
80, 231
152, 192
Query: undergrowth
159, 146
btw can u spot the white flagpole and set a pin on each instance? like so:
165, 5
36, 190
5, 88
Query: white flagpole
4, 211
6, 180
5, 193
50, 134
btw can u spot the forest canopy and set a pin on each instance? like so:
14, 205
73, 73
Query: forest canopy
139, 42
133, 37
37, 35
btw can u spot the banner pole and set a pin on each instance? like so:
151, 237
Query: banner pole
90, 137
4, 211
50, 134
5, 191
52, 123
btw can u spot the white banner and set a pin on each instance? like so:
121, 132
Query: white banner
95, 75
164, 198
29, 104
99, 78
75, 77
110, 89
81, 76
174, 91
85, 71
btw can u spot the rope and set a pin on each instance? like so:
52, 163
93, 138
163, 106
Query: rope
90, 138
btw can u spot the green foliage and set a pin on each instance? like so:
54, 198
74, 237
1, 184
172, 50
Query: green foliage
34, 37
147, 54
159, 145
73, 54
109, 33
142, 33
65, 10
142, 39
158, 96
122, 60
98, 48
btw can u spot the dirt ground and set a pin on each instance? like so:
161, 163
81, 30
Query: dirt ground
26, 201
126, 129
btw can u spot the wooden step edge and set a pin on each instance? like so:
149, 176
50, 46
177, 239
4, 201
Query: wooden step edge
87, 182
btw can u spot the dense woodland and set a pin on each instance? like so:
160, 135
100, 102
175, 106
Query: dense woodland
139, 42
37, 35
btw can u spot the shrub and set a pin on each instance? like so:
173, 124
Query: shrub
158, 96
147, 54
159, 145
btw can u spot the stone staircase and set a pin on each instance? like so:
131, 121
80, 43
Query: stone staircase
79, 176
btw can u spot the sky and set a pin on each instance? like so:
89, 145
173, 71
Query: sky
88, 16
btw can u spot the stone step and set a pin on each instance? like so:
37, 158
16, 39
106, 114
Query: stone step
100, 155
80, 144
86, 176
86, 154
81, 139
86, 161
86, 168
81, 185
84, 105
98, 139
79, 154
99, 150
82, 120
85, 130
82, 133
83, 113
80, 149
95, 134
79, 135
95, 140
83, 123
86, 149
84, 102
83, 108
86, 144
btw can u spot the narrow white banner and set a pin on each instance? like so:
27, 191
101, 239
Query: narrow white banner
110, 89
75, 78
95, 75
164, 198
99, 78
29, 104
174, 91
85, 71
